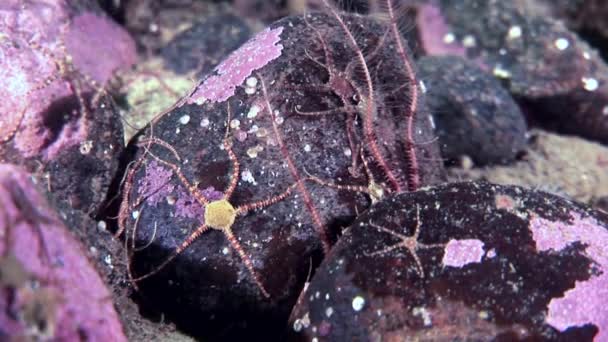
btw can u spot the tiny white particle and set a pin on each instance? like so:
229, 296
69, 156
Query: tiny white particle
135, 214
204, 122
307, 148
347, 152
297, 325
423, 87
329, 311
500, 72
469, 41
101, 225
449, 38
358, 303
249, 90
586, 55
561, 43
235, 123
251, 82
108, 260
184, 119
279, 120
314, 339
590, 84
514, 32
424, 314
247, 176
605, 110
225, 250
432, 120
86, 146
253, 112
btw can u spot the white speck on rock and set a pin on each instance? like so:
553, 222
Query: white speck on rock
590, 83
184, 119
449, 38
514, 32
423, 313
253, 111
358, 303
235, 123
561, 44
247, 176
251, 82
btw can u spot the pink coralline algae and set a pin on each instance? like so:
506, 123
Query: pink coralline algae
586, 302
459, 253
48, 288
233, 71
187, 206
155, 185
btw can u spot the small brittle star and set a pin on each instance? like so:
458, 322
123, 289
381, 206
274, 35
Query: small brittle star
219, 214
410, 243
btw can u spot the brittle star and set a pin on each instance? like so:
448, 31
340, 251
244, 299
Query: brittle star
219, 214
408, 242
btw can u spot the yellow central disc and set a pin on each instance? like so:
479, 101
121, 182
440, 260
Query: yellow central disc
220, 214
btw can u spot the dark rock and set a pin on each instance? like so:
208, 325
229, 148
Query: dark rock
474, 114
463, 261
246, 154
59, 121
201, 47
559, 78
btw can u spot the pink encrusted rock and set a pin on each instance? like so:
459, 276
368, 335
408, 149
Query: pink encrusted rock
48, 288
39, 73
463, 261
232, 72
581, 305
57, 120
98, 46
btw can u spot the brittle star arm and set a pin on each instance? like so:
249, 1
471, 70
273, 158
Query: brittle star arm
198, 232
245, 208
245, 258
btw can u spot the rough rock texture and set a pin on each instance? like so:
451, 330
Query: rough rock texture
568, 166
48, 288
273, 181
585, 16
57, 118
558, 77
202, 47
474, 114
154, 23
463, 261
